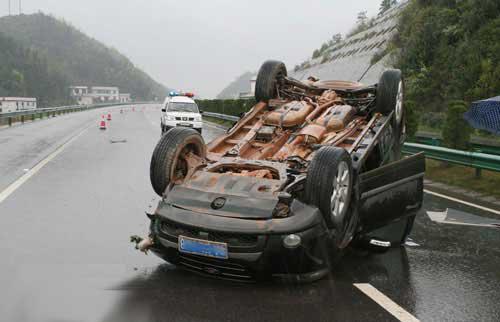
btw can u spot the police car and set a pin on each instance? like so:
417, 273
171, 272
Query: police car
179, 109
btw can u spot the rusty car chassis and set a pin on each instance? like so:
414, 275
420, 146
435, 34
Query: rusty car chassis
313, 167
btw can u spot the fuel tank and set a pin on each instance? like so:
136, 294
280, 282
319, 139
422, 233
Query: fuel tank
291, 114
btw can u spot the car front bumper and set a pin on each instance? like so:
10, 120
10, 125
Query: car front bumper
192, 124
255, 247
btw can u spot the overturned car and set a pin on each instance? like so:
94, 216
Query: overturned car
313, 167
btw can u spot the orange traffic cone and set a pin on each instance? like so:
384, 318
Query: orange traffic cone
109, 116
102, 125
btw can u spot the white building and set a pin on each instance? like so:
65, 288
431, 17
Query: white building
95, 94
13, 104
125, 98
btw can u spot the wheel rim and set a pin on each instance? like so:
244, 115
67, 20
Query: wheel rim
340, 193
399, 103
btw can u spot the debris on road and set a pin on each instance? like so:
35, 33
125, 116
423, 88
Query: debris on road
142, 244
457, 217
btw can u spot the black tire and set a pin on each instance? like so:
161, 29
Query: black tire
390, 92
165, 129
387, 91
166, 155
322, 173
269, 73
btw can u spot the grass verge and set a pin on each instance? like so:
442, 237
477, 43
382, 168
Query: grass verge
464, 177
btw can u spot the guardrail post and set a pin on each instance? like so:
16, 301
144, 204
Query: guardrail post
22, 118
33, 117
478, 173
10, 120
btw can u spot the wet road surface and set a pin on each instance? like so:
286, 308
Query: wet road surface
65, 254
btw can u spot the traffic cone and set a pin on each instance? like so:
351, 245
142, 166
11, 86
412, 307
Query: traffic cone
102, 125
109, 116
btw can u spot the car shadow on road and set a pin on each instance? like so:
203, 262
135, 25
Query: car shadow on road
169, 293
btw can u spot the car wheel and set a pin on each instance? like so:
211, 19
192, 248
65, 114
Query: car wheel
390, 97
269, 73
329, 186
169, 163
165, 129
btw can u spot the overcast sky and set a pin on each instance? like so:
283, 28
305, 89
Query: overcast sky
202, 45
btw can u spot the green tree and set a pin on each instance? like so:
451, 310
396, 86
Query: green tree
386, 5
411, 118
456, 132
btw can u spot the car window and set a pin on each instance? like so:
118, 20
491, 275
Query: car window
182, 107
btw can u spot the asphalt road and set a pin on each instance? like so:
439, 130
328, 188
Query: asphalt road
65, 254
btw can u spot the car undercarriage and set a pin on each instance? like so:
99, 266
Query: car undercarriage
312, 168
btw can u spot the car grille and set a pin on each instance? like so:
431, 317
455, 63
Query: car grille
215, 267
231, 239
179, 118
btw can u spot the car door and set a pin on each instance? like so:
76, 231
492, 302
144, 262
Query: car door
391, 192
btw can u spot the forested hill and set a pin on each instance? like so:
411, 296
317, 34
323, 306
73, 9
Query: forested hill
25, 72
43, 45
449, 50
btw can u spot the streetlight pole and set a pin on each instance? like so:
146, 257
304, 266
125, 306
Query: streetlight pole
20, 10
9, 7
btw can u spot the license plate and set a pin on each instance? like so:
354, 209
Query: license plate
185, 124
202, 247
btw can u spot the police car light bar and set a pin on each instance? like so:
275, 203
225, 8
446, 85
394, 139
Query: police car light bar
171, 94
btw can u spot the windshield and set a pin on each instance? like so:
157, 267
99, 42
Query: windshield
182, 107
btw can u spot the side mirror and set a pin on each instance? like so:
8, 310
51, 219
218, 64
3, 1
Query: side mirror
201, 111
163, 109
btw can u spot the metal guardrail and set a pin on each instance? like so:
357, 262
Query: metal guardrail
222, 116
476, 144
466, 158
21, 116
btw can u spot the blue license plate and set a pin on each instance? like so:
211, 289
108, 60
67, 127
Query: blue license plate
202, 247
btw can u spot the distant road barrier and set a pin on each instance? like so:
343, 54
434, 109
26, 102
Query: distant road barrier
30, 115
466, 158
222, 116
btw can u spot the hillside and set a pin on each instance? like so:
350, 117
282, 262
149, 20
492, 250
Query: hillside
361, 56
25, 72
449, 51
239, 85
74, 58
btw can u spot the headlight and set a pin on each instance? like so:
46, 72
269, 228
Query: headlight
292, 241
197, 118
170, 118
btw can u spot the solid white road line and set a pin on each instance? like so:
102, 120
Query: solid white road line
462, 202
31, 172
385, 302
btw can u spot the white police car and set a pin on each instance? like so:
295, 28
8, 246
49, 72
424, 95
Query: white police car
179, 109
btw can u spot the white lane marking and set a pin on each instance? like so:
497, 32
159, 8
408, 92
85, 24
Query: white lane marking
462, 202
397, 311
31, 172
